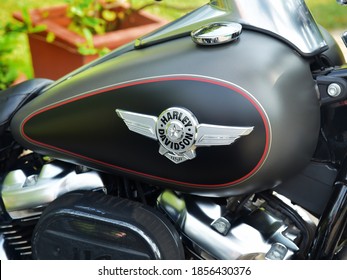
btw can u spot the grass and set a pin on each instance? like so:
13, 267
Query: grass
326, 12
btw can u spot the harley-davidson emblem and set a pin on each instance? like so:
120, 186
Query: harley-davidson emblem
179, 132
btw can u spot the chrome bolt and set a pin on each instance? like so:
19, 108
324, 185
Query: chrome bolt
221, 225
334, 90
277, 251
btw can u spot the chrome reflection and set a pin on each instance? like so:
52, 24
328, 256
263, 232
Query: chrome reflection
289, 19
26, 195
216, 33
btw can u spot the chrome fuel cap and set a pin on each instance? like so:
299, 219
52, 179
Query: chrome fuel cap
216, 33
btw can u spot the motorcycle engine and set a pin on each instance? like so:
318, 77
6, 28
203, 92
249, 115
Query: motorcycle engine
73, 218
259, 229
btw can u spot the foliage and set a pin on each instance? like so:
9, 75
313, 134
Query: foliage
9, 34
8, 69
95, 16
101, 16
21, 54
90, 17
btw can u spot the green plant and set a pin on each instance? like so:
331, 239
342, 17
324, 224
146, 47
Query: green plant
91, 17
8, 69
9, 38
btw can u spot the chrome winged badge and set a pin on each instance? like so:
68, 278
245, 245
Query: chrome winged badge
179, 132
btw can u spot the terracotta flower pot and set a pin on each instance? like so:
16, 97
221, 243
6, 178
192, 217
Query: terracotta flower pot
54, 60
20, 79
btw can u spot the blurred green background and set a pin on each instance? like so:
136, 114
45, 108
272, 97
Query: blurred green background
326, 12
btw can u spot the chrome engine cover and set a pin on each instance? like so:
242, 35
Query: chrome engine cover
24, 195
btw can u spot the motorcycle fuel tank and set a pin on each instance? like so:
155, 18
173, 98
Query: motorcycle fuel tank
223, 120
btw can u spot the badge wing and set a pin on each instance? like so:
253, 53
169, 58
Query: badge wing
217, 135
139, 123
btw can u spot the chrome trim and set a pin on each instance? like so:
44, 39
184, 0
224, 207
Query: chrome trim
217, 135
25, 196
216, 33
139, 123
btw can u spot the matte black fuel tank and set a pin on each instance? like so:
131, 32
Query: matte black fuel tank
222, 120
